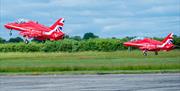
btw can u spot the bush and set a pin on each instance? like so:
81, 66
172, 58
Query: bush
20, 47
66, 45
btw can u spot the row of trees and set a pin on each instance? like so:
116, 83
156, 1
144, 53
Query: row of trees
89, 42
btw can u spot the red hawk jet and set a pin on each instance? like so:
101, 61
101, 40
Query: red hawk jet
31, 29
147, 44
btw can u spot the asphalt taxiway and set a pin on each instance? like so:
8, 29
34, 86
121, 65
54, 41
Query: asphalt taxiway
110, 82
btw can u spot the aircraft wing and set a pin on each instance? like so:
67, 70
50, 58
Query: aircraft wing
39, 27
30, 29
26, 26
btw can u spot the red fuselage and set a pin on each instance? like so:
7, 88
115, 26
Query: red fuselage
149, 44
31, 29
152, 45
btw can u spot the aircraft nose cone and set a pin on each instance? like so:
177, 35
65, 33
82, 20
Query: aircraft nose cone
126, 44
7, 26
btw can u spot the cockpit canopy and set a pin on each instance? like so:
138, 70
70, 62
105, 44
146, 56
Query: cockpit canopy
20, 21
137, 38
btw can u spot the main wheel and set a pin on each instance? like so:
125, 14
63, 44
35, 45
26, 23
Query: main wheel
129, 49
26, 41
156, 53
145, 53
43, 41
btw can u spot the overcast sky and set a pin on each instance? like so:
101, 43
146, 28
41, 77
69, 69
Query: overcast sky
105, 18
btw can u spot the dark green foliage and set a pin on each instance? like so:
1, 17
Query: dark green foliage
74, 44
20, 47
66, 36
2, 40
38, 41
66, 45
89, 35
103, 45
78, 38
177, 41
17, 39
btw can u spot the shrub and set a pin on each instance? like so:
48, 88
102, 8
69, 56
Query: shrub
66, 45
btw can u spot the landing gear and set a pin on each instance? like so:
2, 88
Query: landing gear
26, 41
63, 37
156, 53
129, 49
43, 41
145, 52
10, 33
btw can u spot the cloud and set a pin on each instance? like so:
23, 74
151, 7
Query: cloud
72, 3
138, 26
162, 10
107, 18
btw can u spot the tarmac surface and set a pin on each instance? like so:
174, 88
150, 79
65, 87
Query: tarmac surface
110, 82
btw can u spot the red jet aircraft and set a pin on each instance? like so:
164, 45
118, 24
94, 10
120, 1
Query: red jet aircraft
148, 44
31, 29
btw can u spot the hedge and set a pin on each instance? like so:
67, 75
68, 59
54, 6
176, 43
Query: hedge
66, 45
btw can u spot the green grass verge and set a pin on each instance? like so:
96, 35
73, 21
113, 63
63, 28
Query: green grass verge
92, 72
89, 62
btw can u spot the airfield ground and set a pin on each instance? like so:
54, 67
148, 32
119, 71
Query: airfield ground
89, 62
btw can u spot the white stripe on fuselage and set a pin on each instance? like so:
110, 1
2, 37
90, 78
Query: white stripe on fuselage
50, 32
17, 27
135, 44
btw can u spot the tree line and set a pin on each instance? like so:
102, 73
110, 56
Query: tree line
89, 42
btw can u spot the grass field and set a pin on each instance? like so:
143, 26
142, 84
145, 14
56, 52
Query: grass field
89, 62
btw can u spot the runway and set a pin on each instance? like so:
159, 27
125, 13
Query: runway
110, 82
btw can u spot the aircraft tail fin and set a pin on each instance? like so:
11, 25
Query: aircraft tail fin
170, 36
168, 40
58, 24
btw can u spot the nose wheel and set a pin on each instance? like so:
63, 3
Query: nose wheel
10, 33
156, 53
145, 52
